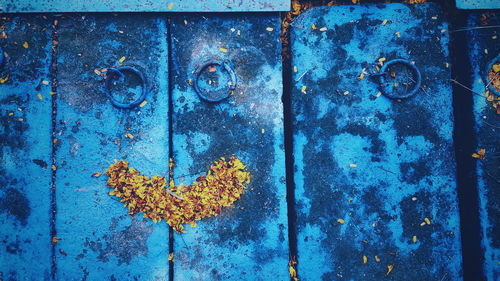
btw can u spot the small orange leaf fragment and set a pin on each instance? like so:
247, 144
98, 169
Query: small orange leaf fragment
341, 221
96, 174
26, 45
55, 239
377, 259
171, 257
389, 269
480, 154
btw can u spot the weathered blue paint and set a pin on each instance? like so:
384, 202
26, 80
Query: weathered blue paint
478, 4
380, 165
25, 145
483, 49
101, 241
56, 6
247, 241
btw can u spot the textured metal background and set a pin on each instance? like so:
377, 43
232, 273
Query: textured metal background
402, 149
483, 49
58, 6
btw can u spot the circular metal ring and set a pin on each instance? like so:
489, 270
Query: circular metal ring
384, 73
491, 87
119, 72
203, 94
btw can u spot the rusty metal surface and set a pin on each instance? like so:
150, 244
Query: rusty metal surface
57, 6
25, 142
247, 241
374, 175
99, 240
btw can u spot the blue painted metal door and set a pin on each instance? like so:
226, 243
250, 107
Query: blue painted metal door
99, 240
25, 174
374, 167
484, 55
235, 63
58, 6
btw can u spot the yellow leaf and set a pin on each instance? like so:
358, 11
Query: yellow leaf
346, 93
293, 272
171, 257
295, 69
353, 165
303, 90
365, 259
143, 103
54, 167
224, 50
496, 67
40, 96
341, 221
427, 221
262, 130
26, 45
313, 26
96, 174
398, 34
129, 136
480, 154
414, 239
11, 113
384, 22
3, 80
377, 259
122, 59
389, 269
170, 6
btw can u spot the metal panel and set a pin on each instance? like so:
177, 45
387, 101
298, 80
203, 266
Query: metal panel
484, 49
478, 4
247, 241
56, 6
99, 241
25, 148
375, 176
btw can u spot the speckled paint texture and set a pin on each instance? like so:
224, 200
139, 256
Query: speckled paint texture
483, 49
478, 4
54, 6
25, 124
381, 166
249, 240
100, 239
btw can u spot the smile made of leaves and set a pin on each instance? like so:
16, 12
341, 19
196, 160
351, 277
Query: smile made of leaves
220, 187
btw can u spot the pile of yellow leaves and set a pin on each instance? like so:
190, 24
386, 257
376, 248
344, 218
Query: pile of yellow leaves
178, 205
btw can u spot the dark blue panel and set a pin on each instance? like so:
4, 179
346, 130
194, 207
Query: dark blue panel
374, 176
25, 148
99, 240
478, 4
247, 241
484, 50
29, 6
